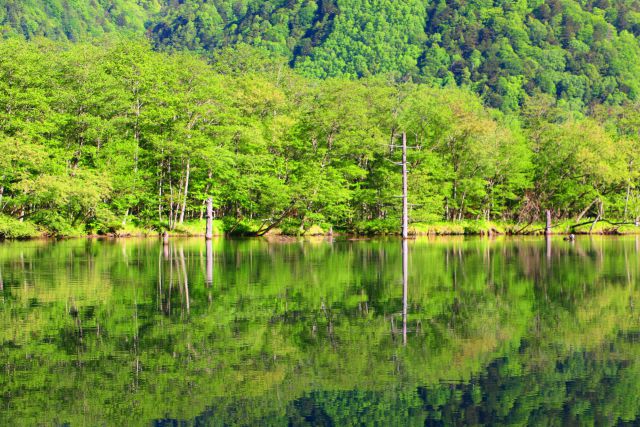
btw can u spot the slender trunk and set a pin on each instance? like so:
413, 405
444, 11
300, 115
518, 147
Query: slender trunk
124, 221
405, 202
461, 212
136, 136
186, 191
209, 229
584, 212
626, 200
600, 212
1, 196
170, 199
547, 229
160, 183
285, 214
206, 191
454, 199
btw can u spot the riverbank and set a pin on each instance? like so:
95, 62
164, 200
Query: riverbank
12, 229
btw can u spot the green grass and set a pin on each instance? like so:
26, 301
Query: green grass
601, 227
465, 227
11, 228
198, 228
131, 229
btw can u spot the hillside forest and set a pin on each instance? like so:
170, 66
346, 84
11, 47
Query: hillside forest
131, 114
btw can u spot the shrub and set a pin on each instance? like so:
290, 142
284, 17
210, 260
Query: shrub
11, 228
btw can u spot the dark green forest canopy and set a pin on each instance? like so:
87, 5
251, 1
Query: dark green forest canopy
580, 52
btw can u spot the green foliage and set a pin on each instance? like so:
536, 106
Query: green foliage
580, 52
111, 136
13, 229
74, 20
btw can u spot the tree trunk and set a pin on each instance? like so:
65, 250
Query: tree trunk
405, 202
160, 183
600, 212
170, 198
277, 221
124, 221
209, 230
584, 212
547, 229
461, 211
626, 200
186, 191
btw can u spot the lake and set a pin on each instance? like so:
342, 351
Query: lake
318, 332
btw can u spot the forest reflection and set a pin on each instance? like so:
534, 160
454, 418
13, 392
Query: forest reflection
250, 331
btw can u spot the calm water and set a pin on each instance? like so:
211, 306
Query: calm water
506, 331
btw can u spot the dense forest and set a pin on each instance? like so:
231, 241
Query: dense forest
98, 136
582, 52
284, 112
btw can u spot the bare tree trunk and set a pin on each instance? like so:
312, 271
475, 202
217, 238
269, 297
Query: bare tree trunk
547, 229
405, 203
209, 229
186, 191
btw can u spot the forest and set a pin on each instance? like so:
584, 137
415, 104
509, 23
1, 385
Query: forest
103, 137
582, 52
121, 117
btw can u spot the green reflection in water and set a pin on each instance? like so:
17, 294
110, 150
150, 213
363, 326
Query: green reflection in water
250, 332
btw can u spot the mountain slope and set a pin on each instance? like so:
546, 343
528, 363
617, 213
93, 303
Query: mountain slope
74, 19
581, 52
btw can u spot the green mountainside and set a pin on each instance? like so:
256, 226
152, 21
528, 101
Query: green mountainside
75, 19
582, 52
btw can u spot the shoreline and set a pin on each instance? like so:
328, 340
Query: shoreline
362, 230
273, 237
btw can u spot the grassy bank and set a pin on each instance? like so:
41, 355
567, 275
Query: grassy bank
11, 228
484, 228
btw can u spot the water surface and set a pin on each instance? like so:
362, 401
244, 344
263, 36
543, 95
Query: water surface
247, 332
